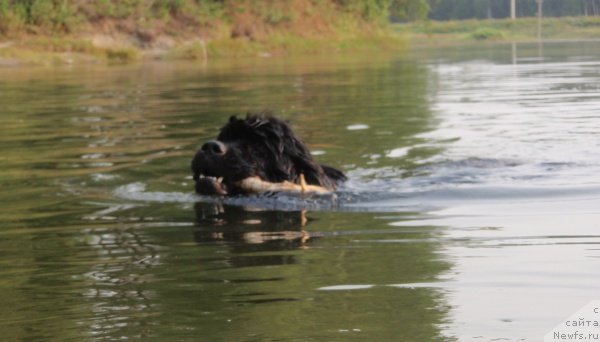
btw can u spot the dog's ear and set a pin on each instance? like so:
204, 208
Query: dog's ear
314, 173
303, 163
291, 155
276, 137
233, 119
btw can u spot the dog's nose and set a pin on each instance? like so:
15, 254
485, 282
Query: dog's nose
214, 147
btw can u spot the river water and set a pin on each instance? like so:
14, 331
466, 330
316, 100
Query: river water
471, 212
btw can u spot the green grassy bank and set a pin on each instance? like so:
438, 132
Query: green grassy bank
69, 31
522, 29
74, 31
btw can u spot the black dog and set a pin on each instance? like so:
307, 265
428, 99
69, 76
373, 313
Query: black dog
259, 154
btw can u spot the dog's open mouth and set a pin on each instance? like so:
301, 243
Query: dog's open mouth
210, 185
254, 185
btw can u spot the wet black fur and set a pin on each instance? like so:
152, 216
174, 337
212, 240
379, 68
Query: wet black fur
263, 146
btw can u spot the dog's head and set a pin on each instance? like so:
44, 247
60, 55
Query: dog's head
257, 146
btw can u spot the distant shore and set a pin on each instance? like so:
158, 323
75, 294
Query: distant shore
77, 49
118, 31
436, 33
110, 43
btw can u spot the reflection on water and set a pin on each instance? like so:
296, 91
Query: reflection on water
470, 209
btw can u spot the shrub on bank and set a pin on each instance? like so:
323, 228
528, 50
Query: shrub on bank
487, 33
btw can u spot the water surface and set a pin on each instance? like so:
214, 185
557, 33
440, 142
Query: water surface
471, 211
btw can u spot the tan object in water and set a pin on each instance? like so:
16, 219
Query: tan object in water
257, 185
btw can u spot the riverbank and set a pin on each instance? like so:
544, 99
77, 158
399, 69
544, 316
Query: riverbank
109, 31
75, 49
432, 33
123, 41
